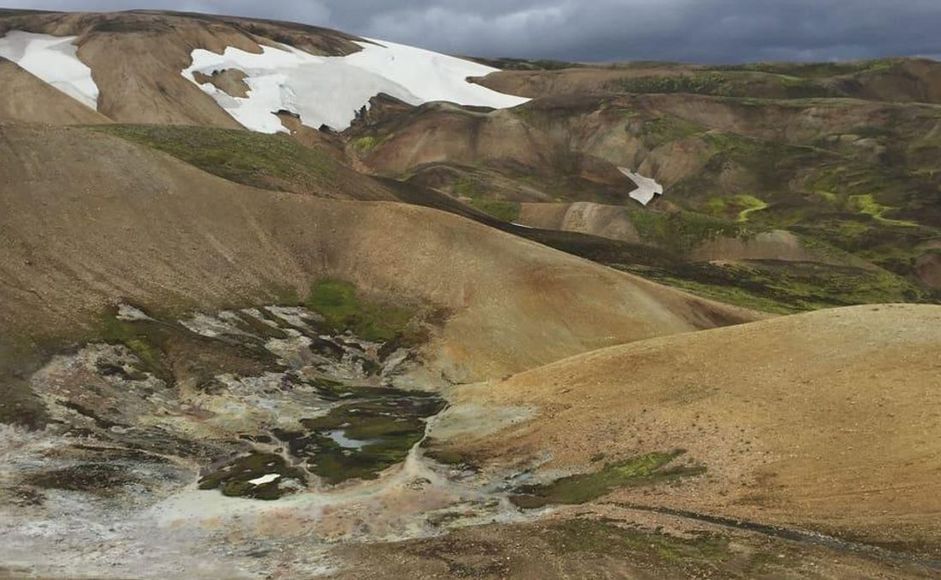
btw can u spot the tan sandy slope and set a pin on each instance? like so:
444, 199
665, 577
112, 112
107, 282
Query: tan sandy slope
26, 98
87, 219
829, 420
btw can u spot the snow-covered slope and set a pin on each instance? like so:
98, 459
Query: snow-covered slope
53, 59
647, 188
330, 90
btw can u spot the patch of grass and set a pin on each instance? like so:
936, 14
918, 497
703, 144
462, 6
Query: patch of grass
740, 206
730, 83
662, 130
365, 144
784, 287
700, 84
751, 204
507, 211
867, 204
467, 186
604, 537
256, 159
648, 469
144, 339
343, 309
682, 231
234, 478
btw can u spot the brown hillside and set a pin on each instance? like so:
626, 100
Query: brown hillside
112, 220
828, 420
26, 98
899, 80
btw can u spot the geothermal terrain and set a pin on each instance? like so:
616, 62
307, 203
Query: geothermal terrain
281, 302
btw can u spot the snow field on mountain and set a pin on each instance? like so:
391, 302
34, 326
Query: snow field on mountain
53, 59
330, 90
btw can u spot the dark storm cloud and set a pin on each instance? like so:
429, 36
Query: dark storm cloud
683, 30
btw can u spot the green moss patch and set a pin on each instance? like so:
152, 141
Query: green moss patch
144, 339
256, 159
344, 309
365, 144
234, 479
784, 287
169, 351
666, 129
605, 537
739, 206
359, 440
682, 231
649, 469
507, 211
867, 204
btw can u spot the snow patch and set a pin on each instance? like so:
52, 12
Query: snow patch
330, 90
265, 479
647, 188
53, 59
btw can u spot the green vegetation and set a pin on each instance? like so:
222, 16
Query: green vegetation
473, 191
682, 231
866, 204
700, 555
169, 351
666, 129
728, 83
784, 287
508, 211
365, 144
144, 339
467, 186
256, 159
384, 429
740, 205
234, 478
648, 469
701, 84
605, 537
343, 309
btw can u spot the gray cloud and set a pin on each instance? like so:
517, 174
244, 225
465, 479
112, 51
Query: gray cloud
680, 30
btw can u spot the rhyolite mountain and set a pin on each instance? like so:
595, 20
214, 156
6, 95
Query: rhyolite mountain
280, 301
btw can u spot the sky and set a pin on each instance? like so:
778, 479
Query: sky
711, 31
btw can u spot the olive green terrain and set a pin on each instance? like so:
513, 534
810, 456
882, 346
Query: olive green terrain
829, 155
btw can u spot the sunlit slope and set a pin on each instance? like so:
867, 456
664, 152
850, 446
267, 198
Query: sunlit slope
827, 420
112, 220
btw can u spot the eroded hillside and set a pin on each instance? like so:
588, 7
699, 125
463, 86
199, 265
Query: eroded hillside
277, 301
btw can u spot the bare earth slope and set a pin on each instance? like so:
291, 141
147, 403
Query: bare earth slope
827, 420
26, 98
113, 220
